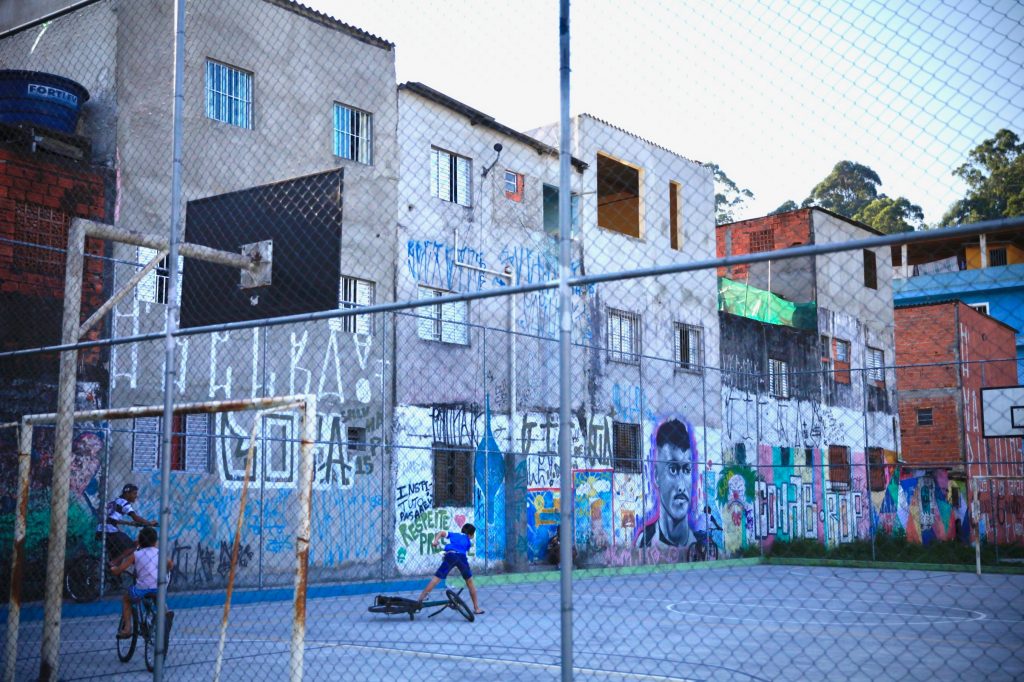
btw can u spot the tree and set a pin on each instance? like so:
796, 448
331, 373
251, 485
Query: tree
886, 214
847, 189
994, 174
728, 196
788, 205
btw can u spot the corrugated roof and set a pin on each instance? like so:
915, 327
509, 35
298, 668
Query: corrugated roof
331, 22
477, 117
642, 139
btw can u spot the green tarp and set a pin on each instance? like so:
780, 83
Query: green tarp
757, 304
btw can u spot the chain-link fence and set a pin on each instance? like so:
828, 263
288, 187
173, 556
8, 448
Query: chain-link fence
270, 280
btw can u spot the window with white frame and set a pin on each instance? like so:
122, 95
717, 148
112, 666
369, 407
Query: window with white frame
448, 322
623, 336
154, 285
980, 307
228, 94
354, 293
842, 350
353, 134
449, 176
876, 366
514, 185
687, 339
778, 378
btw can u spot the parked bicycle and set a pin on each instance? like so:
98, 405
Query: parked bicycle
88, 575
704, 547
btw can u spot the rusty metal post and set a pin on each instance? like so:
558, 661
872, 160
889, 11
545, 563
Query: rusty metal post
18, 553
302, 535
50, 650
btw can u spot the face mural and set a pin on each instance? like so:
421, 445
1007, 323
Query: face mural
672, 470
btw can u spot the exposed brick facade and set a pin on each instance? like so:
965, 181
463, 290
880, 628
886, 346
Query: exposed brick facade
963, 351
39, 196
749, 236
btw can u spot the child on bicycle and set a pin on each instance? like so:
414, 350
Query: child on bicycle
455, 556
146, 560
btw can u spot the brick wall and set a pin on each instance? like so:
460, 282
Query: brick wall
782, 231
39, 196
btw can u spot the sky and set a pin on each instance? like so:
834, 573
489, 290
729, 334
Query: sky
776, 93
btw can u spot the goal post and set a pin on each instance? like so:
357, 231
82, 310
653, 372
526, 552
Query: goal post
305, 404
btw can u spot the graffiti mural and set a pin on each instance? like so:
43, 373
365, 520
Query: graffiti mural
594, 510
542, 510
489, 494
923, 506
673, 492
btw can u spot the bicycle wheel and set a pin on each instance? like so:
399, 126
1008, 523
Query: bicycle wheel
712, 551
126, 647
692, 554
459, 605
83, 579
147, 610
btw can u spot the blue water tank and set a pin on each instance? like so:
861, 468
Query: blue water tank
41, 99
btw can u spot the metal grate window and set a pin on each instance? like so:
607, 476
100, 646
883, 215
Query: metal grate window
46, 227
447, 323
449, 176
778, 378
453, 476
876, 365
626, 445
353, 134
190, 443
354, 293
228, 94
924, 416
154, 286
688, 347
623, 336
761, 240
997, 257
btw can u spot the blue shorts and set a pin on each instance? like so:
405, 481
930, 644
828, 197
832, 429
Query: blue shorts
453, 560
137, 595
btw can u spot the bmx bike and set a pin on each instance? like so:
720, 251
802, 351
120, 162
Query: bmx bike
144, 625
87, 575
400, 605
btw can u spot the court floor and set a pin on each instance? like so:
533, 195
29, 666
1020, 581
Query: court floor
746, 622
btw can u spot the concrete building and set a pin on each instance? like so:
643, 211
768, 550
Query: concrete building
808, 389
279, 143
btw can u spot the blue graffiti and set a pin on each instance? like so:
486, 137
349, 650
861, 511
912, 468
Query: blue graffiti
489, 494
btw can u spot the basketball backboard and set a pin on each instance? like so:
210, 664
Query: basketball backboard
1002, 412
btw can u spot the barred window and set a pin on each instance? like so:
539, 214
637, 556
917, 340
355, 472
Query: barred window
626, 444
623, 336
228, 94
924, 416
778, 378
453, 476
354, 293
997, 256
447, 322
449, 176
688, 347
154, 286
353, 134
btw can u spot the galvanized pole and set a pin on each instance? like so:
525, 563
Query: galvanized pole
564, 347
18, 555
50, 649
170, 327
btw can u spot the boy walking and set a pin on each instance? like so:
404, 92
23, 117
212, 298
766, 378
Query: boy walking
455, 556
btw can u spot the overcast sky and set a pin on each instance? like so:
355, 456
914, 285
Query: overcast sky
774, 92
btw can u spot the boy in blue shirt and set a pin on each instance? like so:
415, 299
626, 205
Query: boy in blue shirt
455, 556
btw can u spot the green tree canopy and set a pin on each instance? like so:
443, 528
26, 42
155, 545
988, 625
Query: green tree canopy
886, 214
728, 196
788, 205
994, 174
847, 189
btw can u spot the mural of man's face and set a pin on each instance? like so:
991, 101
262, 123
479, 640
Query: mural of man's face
85, 461
674, 478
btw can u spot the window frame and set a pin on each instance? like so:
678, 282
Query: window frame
438, 320
688, 363
354, 324
982, 308
518, 182
244, 101
925, 416
361, 140
870, 269
876, 467
777, 367
446, 458
624, 319
675, 235
761, 241
839, 467
457, 187
1003, 256
153, 287
615, 221
626, 456
185, 434
875, 365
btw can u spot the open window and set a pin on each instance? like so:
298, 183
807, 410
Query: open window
618, 196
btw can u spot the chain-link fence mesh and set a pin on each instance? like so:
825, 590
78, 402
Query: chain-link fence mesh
795, 412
